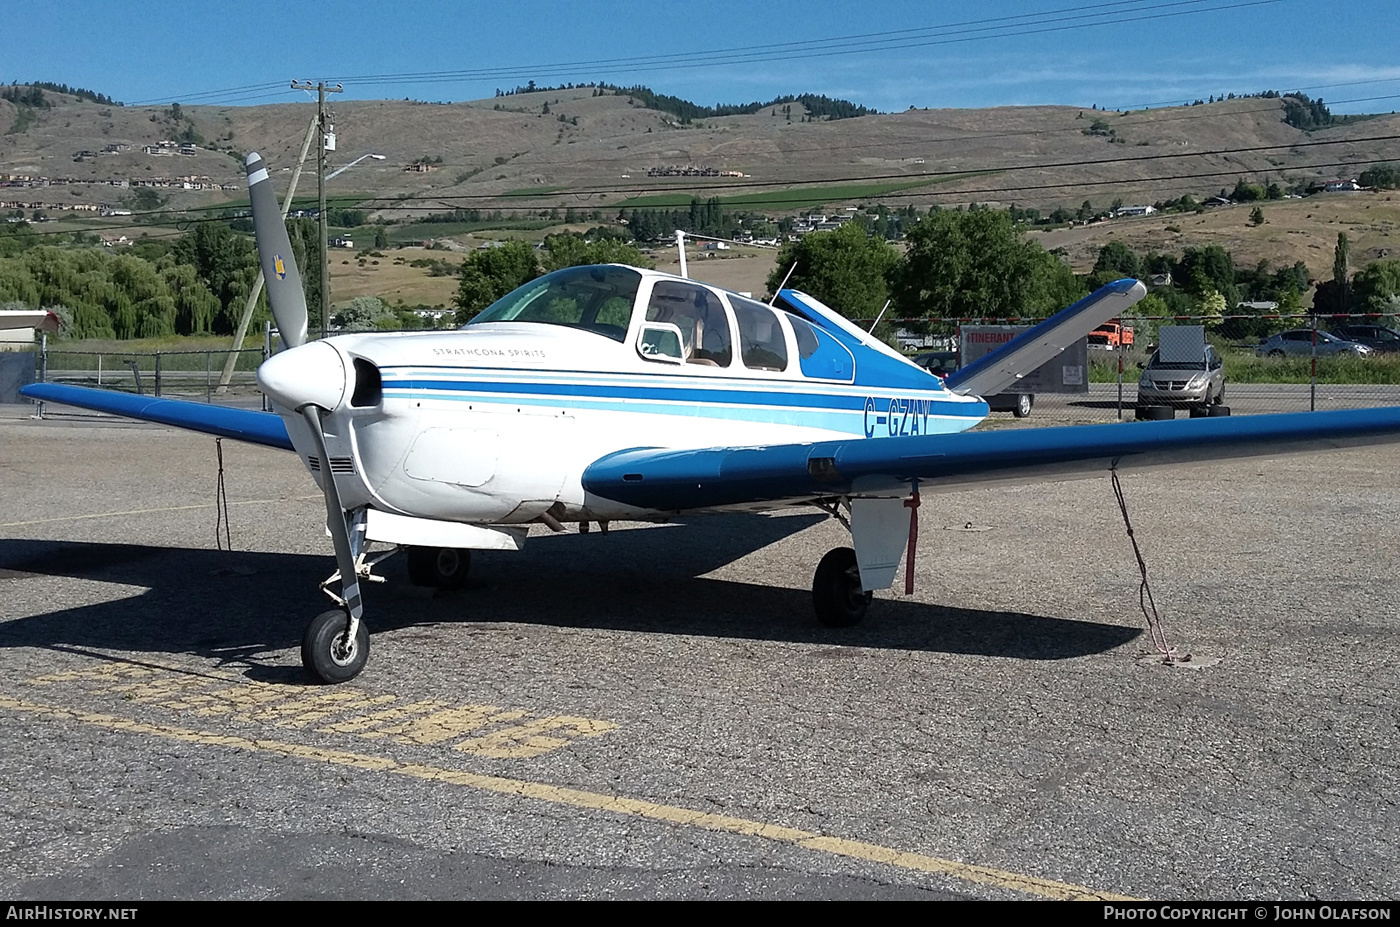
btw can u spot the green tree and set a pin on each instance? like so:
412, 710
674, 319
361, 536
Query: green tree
1340, 261
573, 250
227, 264
490, 273
1116, 261
1376, 286
362, 314
846, 268
976, 265
1256, 216
1203, 269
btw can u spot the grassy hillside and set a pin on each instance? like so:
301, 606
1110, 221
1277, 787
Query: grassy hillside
593, 153
590, 152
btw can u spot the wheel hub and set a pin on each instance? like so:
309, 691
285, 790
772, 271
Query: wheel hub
343, 649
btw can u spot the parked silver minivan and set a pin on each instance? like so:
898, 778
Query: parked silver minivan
1183, 383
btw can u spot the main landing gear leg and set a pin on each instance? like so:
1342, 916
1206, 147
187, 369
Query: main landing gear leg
881, 529
837, 594
836, 590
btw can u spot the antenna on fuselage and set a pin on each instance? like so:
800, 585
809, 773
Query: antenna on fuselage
881, 315
787, 275
680, 248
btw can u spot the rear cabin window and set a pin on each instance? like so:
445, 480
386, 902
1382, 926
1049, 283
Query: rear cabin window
762, 344
701, 318
595, 299
819, 354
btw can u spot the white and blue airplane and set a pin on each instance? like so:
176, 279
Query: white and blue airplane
608, 392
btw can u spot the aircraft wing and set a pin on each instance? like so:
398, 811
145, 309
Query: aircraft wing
1000, 369
265, 428
681, 480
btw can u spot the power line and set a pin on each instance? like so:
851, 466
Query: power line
1058, 20
967, 172
944, 141
701, 60
860, 43
929, 178
777, 201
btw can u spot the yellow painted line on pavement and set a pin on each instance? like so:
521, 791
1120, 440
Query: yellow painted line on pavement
577, 798
156, 511
423, 723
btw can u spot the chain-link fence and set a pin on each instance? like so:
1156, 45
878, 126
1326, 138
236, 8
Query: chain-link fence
1308, 363
194, 375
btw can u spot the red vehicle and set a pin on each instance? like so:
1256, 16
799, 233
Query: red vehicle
1111, 335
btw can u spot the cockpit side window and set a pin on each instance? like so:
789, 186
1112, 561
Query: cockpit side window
701, 318
762, 344
597, 299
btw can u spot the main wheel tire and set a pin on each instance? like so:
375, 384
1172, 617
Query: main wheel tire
1024, 401
836, 592
439, 567
1155, 413
325, 652
1200, 411
1218, 411
1220, 396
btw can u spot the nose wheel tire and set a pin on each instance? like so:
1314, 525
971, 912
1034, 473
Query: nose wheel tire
328, 654
439, 567
836, 592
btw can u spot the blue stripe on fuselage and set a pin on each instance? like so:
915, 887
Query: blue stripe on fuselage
689, 394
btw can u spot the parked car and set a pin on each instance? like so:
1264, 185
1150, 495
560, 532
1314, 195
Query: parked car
1182, 383
1385, 340
1299, 343
942, 363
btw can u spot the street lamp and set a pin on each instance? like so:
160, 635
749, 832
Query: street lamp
325, 238
336, 173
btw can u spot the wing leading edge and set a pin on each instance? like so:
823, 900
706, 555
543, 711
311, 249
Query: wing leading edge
265, 428
679, 480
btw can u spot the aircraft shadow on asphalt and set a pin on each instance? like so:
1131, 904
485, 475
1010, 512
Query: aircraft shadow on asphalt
237, 607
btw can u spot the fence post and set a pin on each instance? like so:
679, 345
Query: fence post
43, 365
99, 369
1312, 401
207, 355
266, 353
1120, 372
158, 374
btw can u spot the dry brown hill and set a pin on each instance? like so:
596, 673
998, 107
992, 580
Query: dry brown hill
607, 143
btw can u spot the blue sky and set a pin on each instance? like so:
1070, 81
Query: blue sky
889, 54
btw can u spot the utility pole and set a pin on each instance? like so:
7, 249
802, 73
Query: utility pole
322, 89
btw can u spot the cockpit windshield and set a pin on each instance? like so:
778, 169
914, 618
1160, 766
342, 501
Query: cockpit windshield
598, 299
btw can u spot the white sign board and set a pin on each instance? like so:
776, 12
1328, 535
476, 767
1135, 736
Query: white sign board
1181, 344
1066, 373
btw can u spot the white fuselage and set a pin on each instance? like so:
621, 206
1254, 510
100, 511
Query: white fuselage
495, 423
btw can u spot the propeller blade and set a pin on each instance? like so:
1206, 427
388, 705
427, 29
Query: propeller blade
284, 291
